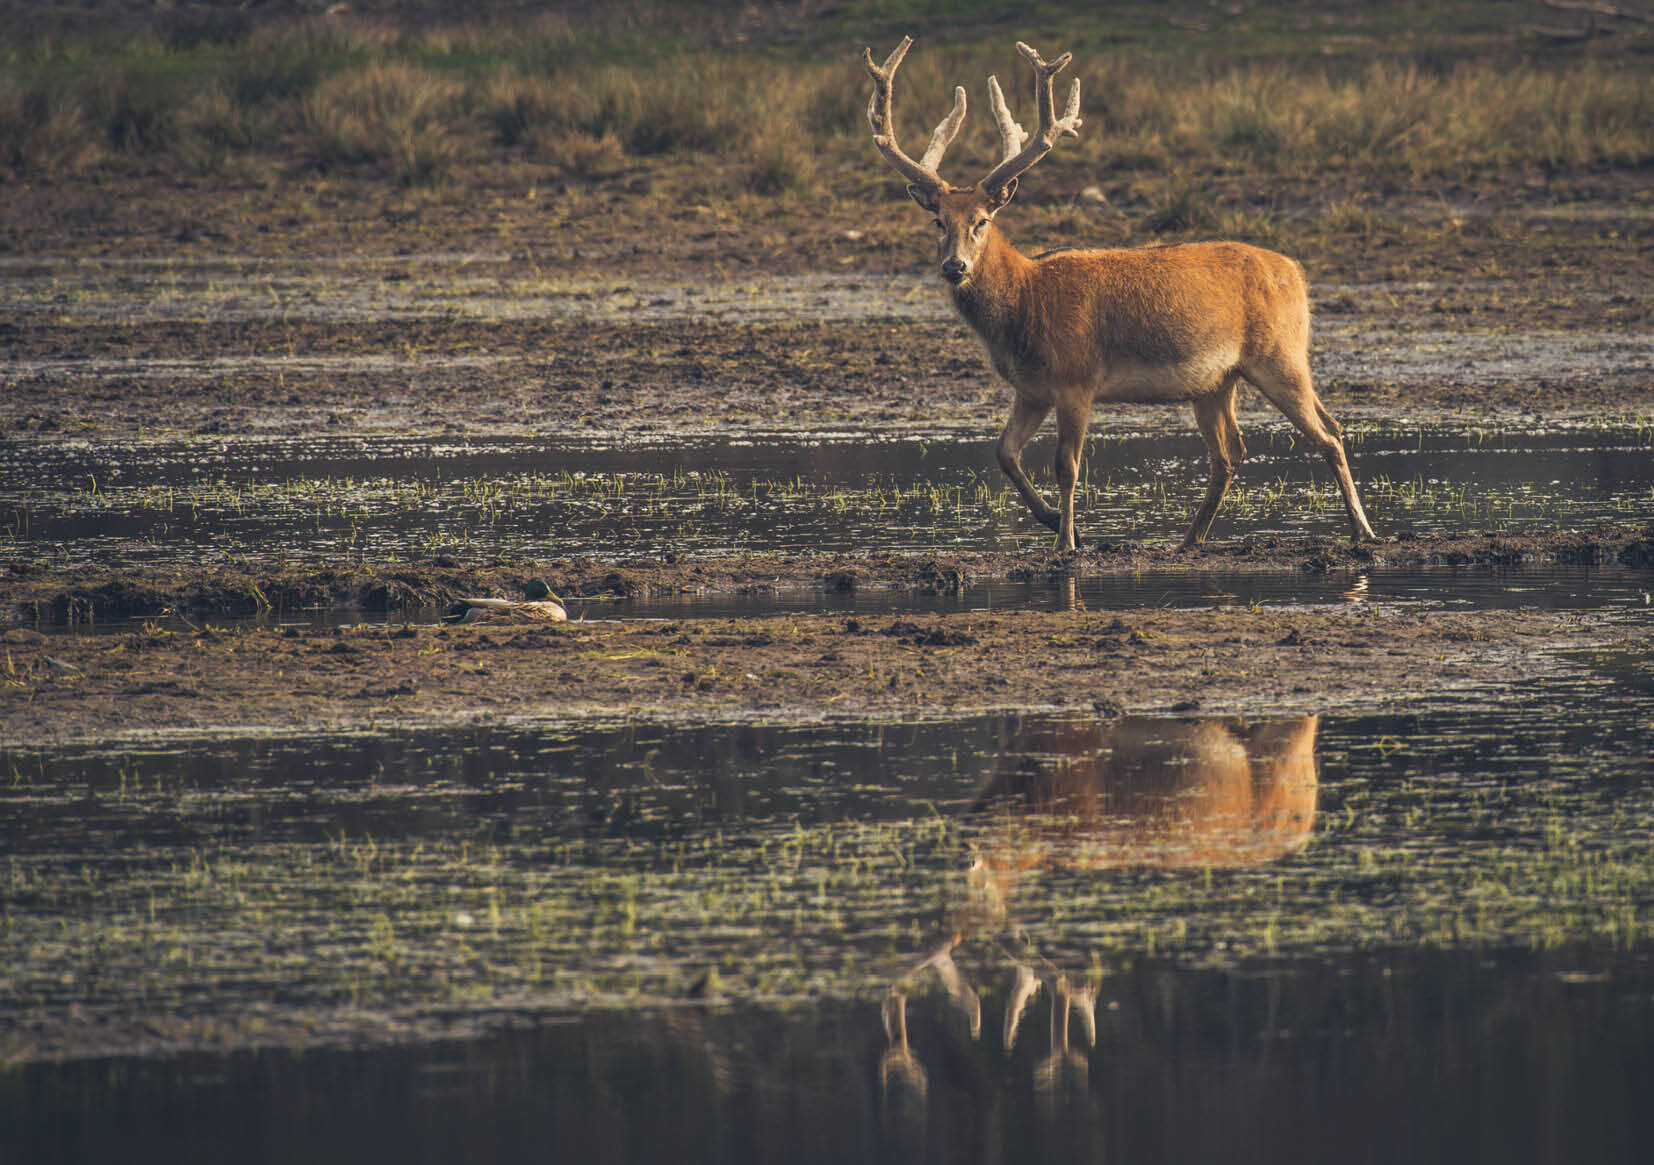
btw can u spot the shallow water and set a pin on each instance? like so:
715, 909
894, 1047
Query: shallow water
1484, 588
1365, 936
99, 506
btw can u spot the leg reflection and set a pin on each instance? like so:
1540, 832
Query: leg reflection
899, 1066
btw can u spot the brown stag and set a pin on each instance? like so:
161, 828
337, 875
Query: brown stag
1068, 329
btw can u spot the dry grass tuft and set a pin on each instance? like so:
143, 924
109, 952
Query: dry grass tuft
1352, 218
580, 155
42, 134
361, 93
386, 113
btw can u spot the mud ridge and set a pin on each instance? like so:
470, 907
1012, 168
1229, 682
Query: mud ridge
150, 681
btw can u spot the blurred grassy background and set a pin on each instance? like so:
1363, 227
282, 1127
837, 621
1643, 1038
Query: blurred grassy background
773, 94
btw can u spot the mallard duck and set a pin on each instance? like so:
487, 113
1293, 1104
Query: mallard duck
538, 605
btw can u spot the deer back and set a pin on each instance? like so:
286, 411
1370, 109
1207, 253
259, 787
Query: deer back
1075, 317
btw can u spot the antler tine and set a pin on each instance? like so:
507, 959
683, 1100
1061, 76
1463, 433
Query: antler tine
1020, 153
1011, 135
946, 130
923, 172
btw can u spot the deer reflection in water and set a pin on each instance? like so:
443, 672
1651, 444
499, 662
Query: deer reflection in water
1085, 795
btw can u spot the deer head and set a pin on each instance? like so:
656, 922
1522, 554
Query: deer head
964, 214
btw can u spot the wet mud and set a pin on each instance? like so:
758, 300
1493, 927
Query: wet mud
846, 740
213, 681
482, 312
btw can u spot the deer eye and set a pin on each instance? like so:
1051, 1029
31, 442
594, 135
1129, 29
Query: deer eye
976, 227
940, 225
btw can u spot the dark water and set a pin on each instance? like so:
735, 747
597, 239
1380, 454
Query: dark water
1422, 936
106, 504
1451, 1058
1556, 587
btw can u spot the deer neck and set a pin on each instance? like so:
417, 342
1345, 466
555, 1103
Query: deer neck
994, 300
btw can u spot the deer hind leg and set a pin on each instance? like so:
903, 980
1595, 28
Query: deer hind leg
1071, 425
1215, 415
1286, 383
1024, 421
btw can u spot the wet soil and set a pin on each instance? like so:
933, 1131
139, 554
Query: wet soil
143, 681
147, 304
341, 303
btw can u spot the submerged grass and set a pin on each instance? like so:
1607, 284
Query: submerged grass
625, 863
1445, 481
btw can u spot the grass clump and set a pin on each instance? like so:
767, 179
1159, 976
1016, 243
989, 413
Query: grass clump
392, 114
1399, 118
591, 95
41, 133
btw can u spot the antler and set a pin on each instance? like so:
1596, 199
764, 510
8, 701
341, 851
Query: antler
923, 172
1016, 156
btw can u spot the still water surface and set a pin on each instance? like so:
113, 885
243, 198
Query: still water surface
1447, 1059
1002, 937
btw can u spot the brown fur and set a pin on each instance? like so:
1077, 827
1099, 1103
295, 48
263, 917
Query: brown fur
1157, 325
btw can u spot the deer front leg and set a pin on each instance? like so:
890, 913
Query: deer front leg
1072, 420
1019, 430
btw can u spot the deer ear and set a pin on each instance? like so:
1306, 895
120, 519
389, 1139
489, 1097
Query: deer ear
1002, 196
923, 197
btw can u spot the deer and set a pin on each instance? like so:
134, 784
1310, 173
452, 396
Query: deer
1072, 328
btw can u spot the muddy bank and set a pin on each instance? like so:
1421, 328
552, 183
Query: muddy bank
60, 690
480, 312
38, 597
154, 379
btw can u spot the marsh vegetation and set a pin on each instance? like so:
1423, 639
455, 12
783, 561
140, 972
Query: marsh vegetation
315, 324
587, 95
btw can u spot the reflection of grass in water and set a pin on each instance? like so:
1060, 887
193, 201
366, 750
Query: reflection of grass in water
452, 921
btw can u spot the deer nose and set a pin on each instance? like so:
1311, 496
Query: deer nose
953, 270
